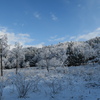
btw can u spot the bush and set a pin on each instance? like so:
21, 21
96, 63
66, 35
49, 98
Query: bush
23, 84
54, 86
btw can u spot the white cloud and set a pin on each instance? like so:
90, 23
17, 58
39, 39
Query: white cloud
53, 16
40, 45
87, 36
98, 29
55, 38
37, 15
23, 39
12, 37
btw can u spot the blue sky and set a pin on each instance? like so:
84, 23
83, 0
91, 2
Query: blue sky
45, 22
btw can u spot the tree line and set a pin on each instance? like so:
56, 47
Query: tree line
62, 54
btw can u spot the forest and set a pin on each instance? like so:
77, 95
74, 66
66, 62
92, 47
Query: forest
72, 53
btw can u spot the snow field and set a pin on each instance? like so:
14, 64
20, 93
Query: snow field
78, 83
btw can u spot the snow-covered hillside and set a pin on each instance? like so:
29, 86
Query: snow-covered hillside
66, 71
62, 54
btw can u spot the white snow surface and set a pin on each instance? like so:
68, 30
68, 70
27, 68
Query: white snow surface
70, 83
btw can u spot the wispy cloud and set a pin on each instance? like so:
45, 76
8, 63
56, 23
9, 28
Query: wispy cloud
79, 5
87, 36
66, 1
37, 15
12, 37
55, 38
54, 17
22, 25
17, 24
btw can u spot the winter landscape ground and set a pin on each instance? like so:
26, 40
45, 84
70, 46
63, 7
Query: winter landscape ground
70, 83
49, 49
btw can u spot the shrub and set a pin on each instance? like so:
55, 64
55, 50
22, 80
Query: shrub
54, 86
23, 84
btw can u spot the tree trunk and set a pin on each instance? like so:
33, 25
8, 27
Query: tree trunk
17, 65
47, 65
1, 64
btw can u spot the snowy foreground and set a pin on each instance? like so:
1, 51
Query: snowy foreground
70, 83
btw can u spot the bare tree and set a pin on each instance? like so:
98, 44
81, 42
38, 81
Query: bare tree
47, 58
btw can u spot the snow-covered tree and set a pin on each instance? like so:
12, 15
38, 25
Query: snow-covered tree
3, 50
18, 54
30, 53
79, 53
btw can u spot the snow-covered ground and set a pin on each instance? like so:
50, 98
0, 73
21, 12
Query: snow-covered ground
70, 83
